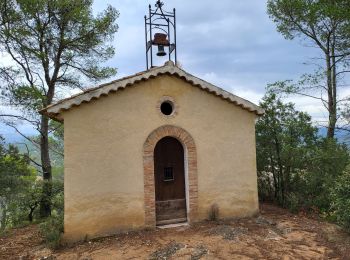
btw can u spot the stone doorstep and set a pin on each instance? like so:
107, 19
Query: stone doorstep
174, 225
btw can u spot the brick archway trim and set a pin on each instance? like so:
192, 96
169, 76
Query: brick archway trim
190, 171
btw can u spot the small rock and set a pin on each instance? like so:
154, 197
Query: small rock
272, 235
166, 252
86, 258
228, 232
199, 251
283, 229
264, 221
50, 257
24, 257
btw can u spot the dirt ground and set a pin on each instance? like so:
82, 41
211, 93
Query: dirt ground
275, 234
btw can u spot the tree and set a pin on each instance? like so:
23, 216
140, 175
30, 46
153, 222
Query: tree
326, 25
14, 169
30, 197
284, 138
54, 45
341, 200
296, 167
328, 161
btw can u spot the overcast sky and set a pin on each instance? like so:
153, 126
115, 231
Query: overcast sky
232, 44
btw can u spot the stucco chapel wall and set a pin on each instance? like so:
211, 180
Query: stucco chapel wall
104, 190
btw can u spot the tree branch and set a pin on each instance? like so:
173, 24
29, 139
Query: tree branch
36, 123
28, 155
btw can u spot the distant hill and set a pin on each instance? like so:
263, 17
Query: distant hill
342, 136
11, 136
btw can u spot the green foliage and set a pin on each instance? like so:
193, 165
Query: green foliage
58, 196
52, 227
329, 160
15, 172
52, 230
284, 138
28, 97
341, 200
72, 41
54, 45
311, 18
298, 169
56, 146
21, 189
29, 199
58, 131
307, 85
325, 25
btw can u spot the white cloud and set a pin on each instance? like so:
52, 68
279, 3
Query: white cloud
232, 44
311, 106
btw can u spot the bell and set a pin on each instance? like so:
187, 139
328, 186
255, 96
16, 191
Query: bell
161, 51
160, 39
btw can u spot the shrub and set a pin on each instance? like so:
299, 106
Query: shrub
52, 230
293, 202
214, 212
265, 186
329, 161
52, 227
341, 200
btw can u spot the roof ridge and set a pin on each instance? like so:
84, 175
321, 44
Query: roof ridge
98, 87
54, 110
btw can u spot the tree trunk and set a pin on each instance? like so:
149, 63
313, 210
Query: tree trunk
45, 204
280, 173
3, 216
334, 85
30, 215
275, 184
332, 112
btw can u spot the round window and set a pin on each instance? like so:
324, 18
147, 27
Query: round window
167, 108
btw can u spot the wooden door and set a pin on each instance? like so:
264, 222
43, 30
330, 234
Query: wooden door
169, 176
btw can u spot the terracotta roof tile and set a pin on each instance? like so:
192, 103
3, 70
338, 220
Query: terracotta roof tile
54, 110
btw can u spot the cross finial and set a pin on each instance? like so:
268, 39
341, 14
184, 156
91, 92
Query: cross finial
160, 32
159, 4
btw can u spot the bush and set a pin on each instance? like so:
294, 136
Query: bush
341, 200
293, 202
52, 230
213, 212
52, 227
329, 161
265, 186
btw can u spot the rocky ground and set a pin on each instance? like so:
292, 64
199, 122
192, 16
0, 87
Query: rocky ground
275, 234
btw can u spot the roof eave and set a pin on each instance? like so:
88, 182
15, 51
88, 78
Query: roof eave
54, 111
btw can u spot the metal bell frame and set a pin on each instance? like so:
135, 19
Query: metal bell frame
162, 21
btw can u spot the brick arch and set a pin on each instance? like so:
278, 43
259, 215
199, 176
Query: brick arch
190, 171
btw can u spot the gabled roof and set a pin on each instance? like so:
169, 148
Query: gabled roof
54, 111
